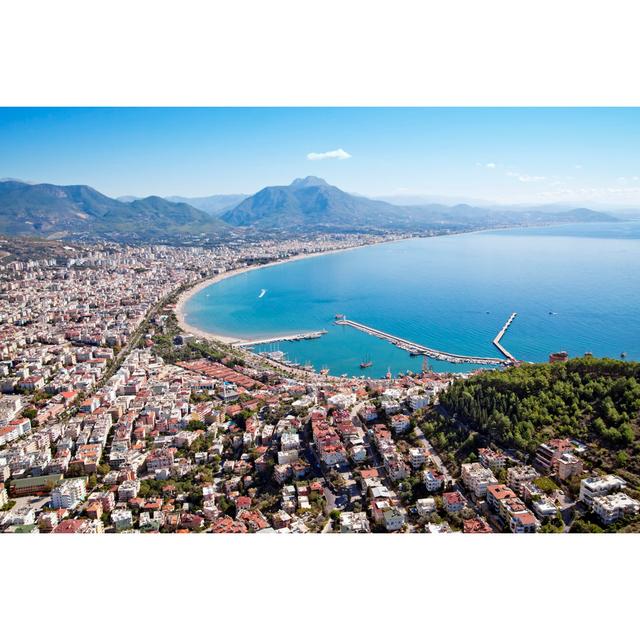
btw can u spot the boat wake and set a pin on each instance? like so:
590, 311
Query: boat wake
262, 292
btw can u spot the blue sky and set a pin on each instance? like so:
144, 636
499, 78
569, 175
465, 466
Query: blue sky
503, 155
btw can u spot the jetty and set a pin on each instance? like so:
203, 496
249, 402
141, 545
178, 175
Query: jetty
311, 335
436, 354
496, 340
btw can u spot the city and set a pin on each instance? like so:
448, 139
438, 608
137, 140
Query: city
113, 419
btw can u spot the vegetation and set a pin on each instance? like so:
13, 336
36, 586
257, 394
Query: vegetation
594, 400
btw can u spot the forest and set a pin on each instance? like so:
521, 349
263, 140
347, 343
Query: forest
596, 401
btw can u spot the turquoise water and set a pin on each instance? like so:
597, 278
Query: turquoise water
450, 292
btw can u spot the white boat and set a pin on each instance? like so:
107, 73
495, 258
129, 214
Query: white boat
262, 292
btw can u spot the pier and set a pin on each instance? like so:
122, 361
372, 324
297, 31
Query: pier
436, 354
311, 335
496, 340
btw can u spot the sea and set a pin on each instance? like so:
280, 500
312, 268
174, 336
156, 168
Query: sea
575, 288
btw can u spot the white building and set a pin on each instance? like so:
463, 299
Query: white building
68, 494
122, 519
425, 506
613, 507
596, 486
128, 490
432, 480
417, 457
477, 478
351, 522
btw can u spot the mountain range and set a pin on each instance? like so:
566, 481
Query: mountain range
51, 210
307, 205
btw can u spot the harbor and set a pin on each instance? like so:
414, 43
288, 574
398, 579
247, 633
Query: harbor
418, 349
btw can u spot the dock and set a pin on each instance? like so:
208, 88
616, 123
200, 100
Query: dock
436, 354
311, 335
496, 340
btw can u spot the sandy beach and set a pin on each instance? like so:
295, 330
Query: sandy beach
208, 335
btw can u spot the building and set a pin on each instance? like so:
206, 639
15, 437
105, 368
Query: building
400, 424
523, 522
425, 506
558, 356
477, 478
432, 480
569, 465
351, 522
597, 486
417, 457
547, 454
453, 501
122, 519
69, 493
37, 485
476, 525
4, 498
393, 519
517, 476
492, 459
615, 506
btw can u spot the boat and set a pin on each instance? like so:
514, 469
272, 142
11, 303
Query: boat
324, 371
366, 363
340, 316
262, 292
388, 375
623, 355
552, 313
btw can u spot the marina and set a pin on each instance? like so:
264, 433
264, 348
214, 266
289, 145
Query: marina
417, 349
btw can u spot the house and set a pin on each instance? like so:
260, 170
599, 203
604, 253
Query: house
432, 480
453, 501
393, 519
425, 506
476, 525
351, 522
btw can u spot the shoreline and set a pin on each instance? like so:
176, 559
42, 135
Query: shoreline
184, 297
230, 340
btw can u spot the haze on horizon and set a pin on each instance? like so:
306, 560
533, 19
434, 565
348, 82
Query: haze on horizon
491, 155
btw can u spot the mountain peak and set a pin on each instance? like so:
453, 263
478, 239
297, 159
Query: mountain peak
309, 181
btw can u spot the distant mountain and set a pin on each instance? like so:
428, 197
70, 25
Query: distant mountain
310, 204
78, 210
212, 204
307, 205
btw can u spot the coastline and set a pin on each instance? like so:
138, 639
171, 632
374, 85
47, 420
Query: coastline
230, 340
184, 297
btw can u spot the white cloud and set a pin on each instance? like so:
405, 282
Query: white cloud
523, 177
487, 165
339, 154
